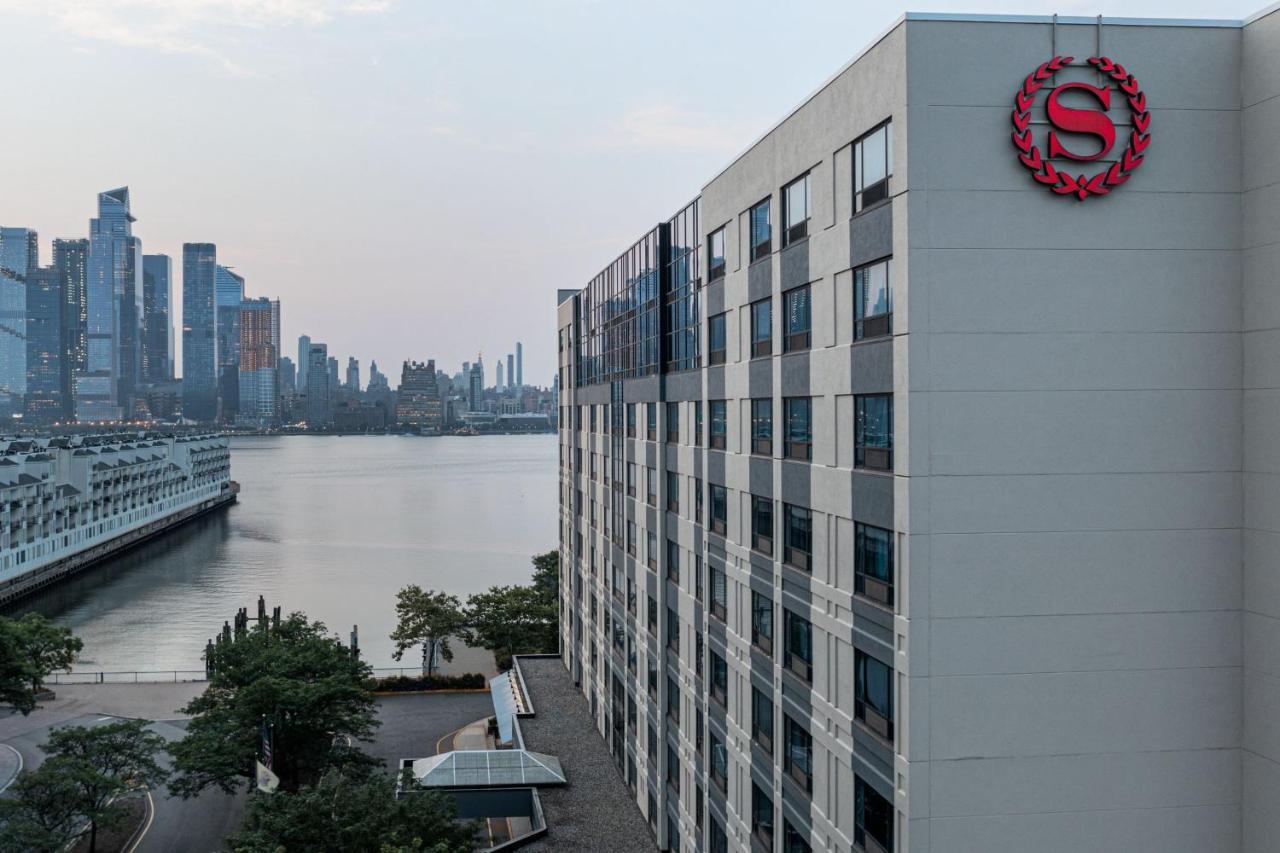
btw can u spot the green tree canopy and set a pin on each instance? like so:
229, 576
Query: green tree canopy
546, 574
352, 810
30, 649
296, 677
511, 620
427, 618
88, 769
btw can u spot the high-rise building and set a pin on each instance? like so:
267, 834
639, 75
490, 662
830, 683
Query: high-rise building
331, 370
71, 259
288, 375
475, 387
157, 324
498, 373
199, 332
418, 398
113, 298
304, 354
917, 492
19, 258
377, 379
353, 374
319, 409
511, 371
258, 367
519, 365
228, 294
47, 399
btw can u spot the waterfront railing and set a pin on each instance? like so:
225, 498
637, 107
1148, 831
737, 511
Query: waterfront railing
177, 676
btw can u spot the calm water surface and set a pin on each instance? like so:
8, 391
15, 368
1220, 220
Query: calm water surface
329, 525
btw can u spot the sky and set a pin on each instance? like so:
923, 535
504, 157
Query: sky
413, 178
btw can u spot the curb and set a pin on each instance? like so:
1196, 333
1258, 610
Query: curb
429, 692
4, 784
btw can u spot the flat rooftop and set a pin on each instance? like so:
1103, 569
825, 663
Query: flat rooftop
595, 811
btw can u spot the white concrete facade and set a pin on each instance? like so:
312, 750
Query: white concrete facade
1085, 632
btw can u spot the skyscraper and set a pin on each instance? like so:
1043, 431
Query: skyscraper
318, 407
46, 398
353, 374
19, 257
304, 353
519, 365
475, 387
332, 373
199, 332
113, 300
157, 325
499, 375
418, 398
288, 375
511, 371
228, 294
258, 368
71, 258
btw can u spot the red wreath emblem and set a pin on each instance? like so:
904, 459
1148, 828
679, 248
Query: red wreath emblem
1081, 186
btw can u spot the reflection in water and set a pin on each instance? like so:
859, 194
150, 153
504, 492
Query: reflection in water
329, 525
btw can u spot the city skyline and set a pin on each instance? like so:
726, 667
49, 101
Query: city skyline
320, 194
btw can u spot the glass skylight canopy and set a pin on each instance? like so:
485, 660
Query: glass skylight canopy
487, 768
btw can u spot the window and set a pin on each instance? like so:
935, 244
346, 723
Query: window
762, 816
873, 694
873, 563
673, 829
673, 631
793, 841
697, 668
651, 549
719, 679
673, 561
873, 432
653, 676
797, 536
719, 770
593, 418
872, 300
762, 719
798, 645
795, 210
652, 754
762, 427
715, 255
798, 440
673, 709
872, 818
631, 479
718, 841
631, 595
631, 538
719, 424
631, 420
762, 525
673, 491
798, 760
872, 166
673, 423
795, 311
719, 593
761, 235
717, 346
719, 510
762, 328
651, 420
697, 423
651, 485
653, 615
697, 499
762, 623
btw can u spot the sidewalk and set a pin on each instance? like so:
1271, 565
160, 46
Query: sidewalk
141, 701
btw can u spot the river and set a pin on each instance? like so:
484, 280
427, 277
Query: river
329, 525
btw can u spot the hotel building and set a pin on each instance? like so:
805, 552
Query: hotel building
920, 488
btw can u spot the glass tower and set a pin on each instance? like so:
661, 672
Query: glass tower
19, 258
228, 294
113, 301
157, 328
199, 332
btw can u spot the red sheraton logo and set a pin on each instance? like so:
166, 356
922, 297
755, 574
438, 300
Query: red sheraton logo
1094, 121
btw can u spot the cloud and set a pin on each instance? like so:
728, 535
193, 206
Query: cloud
661, 126
191, 27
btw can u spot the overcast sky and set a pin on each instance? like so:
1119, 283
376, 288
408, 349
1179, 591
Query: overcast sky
413, 179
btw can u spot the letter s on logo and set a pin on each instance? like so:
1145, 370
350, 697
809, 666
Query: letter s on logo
1091, 122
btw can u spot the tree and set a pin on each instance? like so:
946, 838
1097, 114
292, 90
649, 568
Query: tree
352, 811
511, 620
88, 768
30, 649
546, 574
295, 677
42, 815
429, 618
